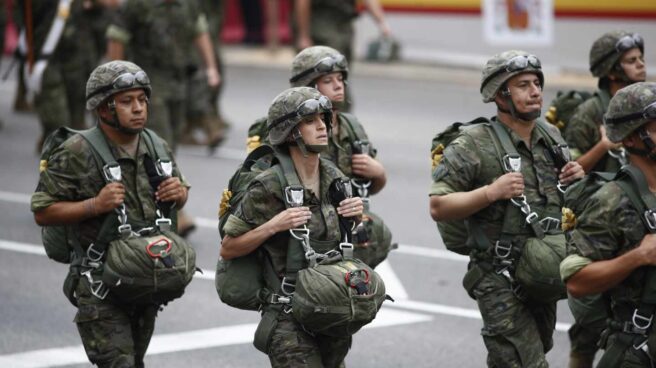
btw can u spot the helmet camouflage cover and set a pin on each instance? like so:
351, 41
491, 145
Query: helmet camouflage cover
308, 59
602, 57
284, 104
494, 77
627, 101
102, 79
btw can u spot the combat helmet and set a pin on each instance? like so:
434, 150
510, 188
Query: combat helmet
607, 50
289, 108
504, 66
629, 109
315, 61
113, 77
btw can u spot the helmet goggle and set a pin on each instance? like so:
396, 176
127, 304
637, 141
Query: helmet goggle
306, 108
517, 63
623, 44
649, 113
124, 81
325, 65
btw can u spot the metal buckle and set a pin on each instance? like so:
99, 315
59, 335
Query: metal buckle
125, 230
550, 223
530, 217
294, 195
284, 284
650, 217
94, 255
164, 168
163, 224
561, 187
637, 319
279, 299
512, 163
112, 173
501, 250
347, 249
97, 288
304, 233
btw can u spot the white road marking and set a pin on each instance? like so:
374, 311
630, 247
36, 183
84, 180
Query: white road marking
14, 197
183, 341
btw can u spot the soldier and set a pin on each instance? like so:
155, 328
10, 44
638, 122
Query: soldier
471, 183
617, 59
613, 246
299, 127
73, 191
56, 70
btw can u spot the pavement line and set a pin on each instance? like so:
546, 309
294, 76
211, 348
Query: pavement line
395, 288
213, 224
182, 341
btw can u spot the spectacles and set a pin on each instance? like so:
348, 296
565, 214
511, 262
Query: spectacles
517, 63
306, 108
648, 112
623, 44
124, 81
324, 65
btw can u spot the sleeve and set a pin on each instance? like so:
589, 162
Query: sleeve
61, 179
458, 169
598, 234
571, 265
256, 208
582, 131
120, 24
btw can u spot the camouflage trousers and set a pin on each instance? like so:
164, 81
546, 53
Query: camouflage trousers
516, 333
292, 346
113, 336
166, 117
590, 314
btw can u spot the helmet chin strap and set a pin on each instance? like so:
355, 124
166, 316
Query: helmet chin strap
523, 116
115, 123
297, 140
648, 142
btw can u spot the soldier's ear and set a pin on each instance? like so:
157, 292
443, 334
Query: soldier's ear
631, 140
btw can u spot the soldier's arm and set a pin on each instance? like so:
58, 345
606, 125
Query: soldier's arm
368, 167
115, 50
589, 159
378, 14
303, 12
203, 44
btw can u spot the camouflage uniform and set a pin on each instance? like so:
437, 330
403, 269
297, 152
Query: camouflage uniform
61, 100
610, 226
291, 345
113, 334
160, 35
516, 332
582, 133
331, 24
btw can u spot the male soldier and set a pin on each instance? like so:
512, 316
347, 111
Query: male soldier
58, 60
612, 249
471, 183
72, 191
617, 59
159, 35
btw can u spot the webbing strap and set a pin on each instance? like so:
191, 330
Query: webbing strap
155, 145
353, 127
97, 141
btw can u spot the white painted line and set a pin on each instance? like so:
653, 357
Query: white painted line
207, 223
393, 285
22, 247
14, 197
183, 341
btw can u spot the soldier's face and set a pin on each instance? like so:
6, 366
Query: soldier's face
313, 129
332, 86
526, 92
132, 108
633, 63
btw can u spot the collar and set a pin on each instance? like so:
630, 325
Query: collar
536, 137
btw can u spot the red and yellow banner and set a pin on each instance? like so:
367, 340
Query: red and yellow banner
564, 8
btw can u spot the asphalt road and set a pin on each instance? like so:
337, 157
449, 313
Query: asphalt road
433, 323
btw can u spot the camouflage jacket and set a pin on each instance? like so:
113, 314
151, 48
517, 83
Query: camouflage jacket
341, 147
608, 227
159, 35
72, 174
265, 199
582, 131
471, 161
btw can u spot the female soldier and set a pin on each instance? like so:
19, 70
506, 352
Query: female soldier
299, 127
325, 69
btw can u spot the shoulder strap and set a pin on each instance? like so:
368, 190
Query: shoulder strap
97, 141
548, 134
353, 127
155, 145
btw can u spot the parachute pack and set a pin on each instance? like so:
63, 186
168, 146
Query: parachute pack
139, 263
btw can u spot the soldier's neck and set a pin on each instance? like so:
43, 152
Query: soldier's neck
129, 142
522, 128
307, 168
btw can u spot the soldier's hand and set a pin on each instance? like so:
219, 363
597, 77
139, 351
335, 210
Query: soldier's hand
366, 166
647, 248
571, 172
605, 141
290, 218
303, 42
110, 197
351, 207
506, 186
171, 190
213, 77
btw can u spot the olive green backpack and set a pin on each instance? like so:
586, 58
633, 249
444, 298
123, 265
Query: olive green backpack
563, 107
